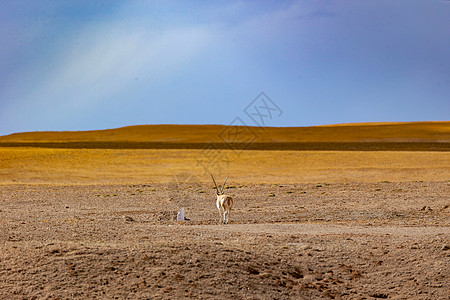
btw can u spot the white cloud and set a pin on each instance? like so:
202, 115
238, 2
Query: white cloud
101, 61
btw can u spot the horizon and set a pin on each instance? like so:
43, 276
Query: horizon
78, 66
224, 125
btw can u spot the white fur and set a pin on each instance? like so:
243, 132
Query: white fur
224, 204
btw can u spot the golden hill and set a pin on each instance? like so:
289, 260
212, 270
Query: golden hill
363, 136
160, 153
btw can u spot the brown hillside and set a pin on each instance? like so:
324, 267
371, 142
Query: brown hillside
365, 132
436, 136
393, 152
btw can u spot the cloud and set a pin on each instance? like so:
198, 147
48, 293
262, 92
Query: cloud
81, 68
102, 60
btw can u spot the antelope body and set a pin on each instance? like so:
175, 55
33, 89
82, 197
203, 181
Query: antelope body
224, 203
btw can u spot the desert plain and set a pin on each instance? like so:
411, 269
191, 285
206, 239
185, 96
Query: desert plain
351, 211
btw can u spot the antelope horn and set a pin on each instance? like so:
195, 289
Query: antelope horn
224, 184
214, 182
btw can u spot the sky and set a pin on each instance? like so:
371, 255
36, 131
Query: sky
84, 65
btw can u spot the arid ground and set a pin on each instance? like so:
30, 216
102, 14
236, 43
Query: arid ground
362, 214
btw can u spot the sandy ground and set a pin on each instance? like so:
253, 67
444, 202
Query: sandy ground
285, 241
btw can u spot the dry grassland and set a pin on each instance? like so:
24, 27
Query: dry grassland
141, 154
103, 166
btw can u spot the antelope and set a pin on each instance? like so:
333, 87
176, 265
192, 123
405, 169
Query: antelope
224, 203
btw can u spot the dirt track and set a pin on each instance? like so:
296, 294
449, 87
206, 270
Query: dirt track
307, 241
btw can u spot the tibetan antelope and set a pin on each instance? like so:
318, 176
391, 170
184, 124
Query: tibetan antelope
224, 203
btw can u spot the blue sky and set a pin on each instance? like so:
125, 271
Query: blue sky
81, 65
